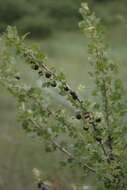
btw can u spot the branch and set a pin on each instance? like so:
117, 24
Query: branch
62, 149
106, 107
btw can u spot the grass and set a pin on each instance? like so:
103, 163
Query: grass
20, 153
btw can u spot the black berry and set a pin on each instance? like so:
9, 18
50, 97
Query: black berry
17, 77
47, 74
66, 88
54, 84
39, 185
32, 62
86, 128
98, 139
98, 120
74, 96
78, 116
42, 186
35, 67
40, 72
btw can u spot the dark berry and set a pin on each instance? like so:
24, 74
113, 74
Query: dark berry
66, 88
40, 72
98, 139
74, 96
98, 120
78, 116
39, 185
86, 128
42, 186
17, 77
54, 84
35, 67
47, 74
32, 62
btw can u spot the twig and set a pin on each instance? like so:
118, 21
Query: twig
62, 149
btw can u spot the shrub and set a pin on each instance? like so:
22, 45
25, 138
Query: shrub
97, 130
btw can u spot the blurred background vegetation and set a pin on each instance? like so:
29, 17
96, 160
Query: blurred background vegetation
53, 24
44, 17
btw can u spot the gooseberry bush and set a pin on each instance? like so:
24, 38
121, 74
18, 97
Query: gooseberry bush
95, 133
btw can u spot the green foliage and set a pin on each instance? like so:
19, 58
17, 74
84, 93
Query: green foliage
95, 134
110, 91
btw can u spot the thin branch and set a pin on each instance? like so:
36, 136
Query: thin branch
70, 155
100, 142
69, 88
45, 68
103, 148
62, 149
106, 106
